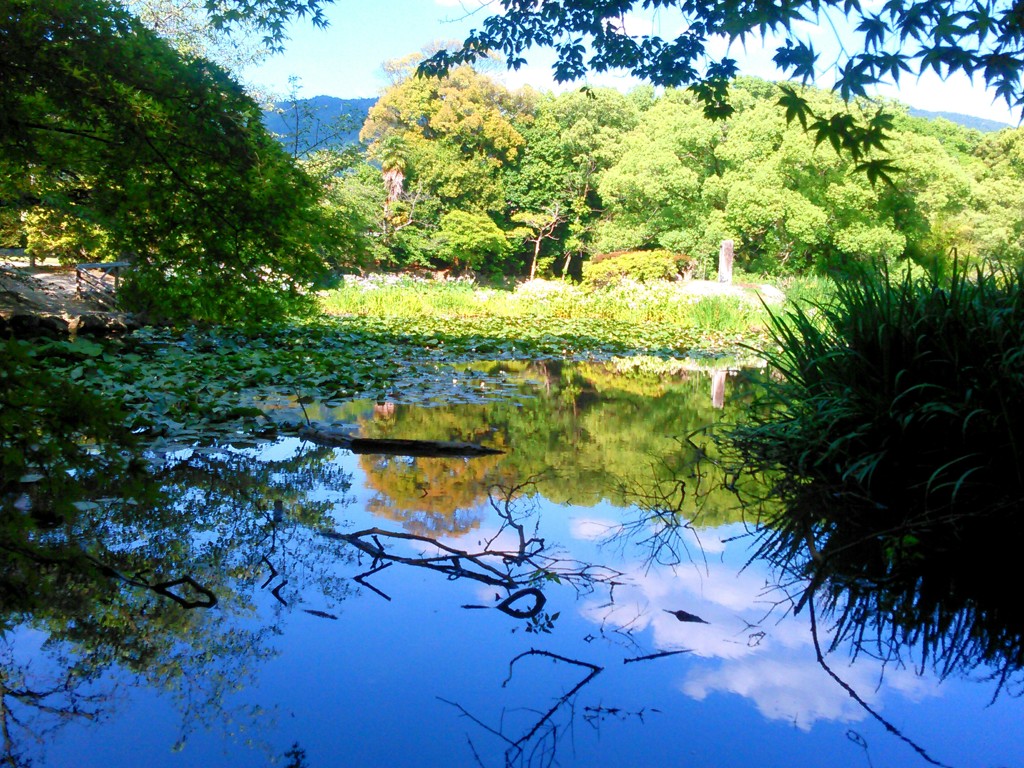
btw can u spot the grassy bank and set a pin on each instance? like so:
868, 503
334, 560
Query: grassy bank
728, 310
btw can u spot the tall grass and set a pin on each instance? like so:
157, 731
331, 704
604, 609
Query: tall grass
909, 393
896, 435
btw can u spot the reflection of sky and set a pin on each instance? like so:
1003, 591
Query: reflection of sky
368, 687
751, 646
762, 653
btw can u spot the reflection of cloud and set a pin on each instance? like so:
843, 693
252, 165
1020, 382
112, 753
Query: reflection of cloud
782, 689
792, 686
764, 653
641, 604
585, 529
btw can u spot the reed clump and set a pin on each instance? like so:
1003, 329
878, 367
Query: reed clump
898, 418
893, 440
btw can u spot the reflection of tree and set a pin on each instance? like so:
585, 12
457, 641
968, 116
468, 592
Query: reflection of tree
690, 493
538, 743
885, 600
945, 611
118, 584
430, 495
874, 603
860, 701
584, 423
24, 700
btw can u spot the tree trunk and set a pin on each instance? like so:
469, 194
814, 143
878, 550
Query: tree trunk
536, 255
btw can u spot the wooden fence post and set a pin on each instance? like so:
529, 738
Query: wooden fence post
718, 389
725, 262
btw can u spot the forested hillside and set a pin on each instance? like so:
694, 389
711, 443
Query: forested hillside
303, 125
967, 121
464, 174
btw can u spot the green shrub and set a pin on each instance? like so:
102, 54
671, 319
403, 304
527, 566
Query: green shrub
642, 266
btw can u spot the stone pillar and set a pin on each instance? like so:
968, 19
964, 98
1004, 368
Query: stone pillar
725, 262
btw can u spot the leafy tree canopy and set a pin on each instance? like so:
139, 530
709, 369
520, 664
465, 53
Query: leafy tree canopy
270, 17
187, 26
159, 157
976, 37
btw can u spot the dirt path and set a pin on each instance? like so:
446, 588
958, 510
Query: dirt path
44, 301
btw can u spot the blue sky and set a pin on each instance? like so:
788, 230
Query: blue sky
345, 59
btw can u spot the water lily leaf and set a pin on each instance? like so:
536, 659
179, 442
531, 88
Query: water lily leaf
87, 348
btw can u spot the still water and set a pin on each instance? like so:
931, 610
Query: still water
586, 598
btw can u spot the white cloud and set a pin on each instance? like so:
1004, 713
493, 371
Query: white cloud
783, 689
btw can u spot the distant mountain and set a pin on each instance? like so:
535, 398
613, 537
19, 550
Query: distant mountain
968, 121
328, 121
322, 121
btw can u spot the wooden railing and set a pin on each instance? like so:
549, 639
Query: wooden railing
102, 278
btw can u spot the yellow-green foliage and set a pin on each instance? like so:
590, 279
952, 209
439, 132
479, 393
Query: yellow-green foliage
642, 266
629, 304
53, 234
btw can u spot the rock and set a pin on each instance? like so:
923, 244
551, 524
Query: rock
47, 305
28, 325
106, 324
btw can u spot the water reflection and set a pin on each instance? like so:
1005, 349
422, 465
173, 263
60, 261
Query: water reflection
157, 589
893, 598
587, 598
585, 431
514, 560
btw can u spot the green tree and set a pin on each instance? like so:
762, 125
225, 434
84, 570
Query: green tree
472, 240
684, 184
975, 37
441, 144
535, 228
653, 193
187, 25
268, 17
570, 140
996, 226
167, 156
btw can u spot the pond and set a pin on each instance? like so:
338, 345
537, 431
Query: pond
585, 598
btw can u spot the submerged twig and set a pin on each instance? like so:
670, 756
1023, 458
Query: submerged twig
863, 704
659, 655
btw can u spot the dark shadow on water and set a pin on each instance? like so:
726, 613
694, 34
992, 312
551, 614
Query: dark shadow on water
951, 612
